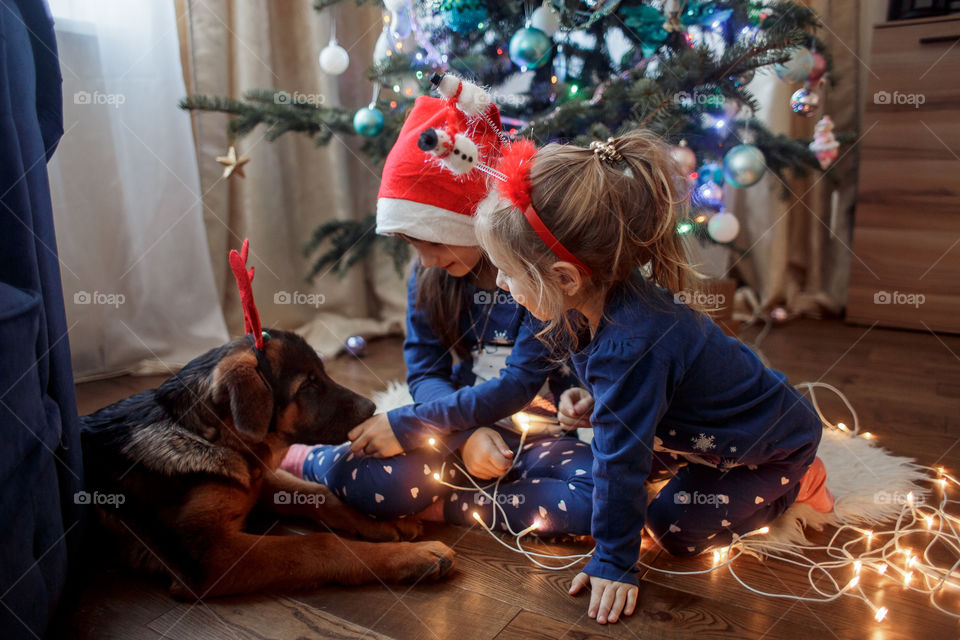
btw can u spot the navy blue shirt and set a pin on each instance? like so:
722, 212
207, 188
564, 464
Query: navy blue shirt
445, 397
666, 378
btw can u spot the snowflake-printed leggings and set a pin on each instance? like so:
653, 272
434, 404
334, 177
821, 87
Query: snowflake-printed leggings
551, 480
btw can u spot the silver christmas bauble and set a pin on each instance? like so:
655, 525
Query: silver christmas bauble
356, 346
805, 102
744, 165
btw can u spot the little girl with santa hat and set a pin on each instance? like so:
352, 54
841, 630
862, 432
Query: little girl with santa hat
477, 373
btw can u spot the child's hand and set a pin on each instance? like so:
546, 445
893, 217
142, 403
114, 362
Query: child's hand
486, 455
575, 407
374, 437
608, 598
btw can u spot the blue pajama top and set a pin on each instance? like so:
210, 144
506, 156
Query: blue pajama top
665, 377
445, 398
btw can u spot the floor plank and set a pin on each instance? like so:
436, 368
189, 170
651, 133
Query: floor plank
903, 384
255, 618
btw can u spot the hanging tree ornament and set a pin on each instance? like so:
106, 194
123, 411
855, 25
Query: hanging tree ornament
710, 172
546, 18
723, 227
400, 23
530, 48
647, 23
334, 59
369, 120
710, 195
797, 68
805, 101
824, 143
463, 16
232, 163
819, 68
685, 158
744, 165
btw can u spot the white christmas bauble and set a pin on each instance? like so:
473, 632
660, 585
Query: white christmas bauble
545, 18
723, 227
395, 5
334, 59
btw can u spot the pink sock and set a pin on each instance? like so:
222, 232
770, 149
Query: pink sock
293, 461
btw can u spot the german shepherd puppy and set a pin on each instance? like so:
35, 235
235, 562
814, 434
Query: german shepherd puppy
191, 458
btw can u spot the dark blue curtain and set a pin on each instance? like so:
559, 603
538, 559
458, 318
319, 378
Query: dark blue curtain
40, 464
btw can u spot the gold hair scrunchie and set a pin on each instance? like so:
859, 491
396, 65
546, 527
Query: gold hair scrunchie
607, 151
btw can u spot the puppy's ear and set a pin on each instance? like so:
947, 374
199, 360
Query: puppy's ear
235, 379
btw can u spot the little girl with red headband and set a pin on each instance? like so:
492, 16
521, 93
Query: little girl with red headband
476, 372
586, 240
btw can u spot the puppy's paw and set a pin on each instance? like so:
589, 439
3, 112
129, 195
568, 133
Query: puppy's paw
424, 561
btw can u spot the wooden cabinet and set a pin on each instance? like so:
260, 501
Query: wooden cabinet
905, 269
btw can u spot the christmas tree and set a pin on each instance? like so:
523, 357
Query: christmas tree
578, 71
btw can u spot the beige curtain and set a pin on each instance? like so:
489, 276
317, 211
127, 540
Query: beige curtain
800, 247
291, 185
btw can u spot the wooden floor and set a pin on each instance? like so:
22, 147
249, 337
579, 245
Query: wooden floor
905, 386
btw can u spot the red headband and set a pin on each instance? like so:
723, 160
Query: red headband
515, 165
251, 318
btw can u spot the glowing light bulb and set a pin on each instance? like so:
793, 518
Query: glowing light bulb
763, 530
910, 498
853, 582
866, 435
912, 562
436, 476
943, 482
869, 535
882, 570
432, 441
881, 614
841, 426
476, 516
940, 470
907, 578
716, 557
857, 566
929, 520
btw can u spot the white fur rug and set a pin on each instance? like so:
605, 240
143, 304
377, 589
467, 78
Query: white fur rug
870, 484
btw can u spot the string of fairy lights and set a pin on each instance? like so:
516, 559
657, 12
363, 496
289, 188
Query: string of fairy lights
901, 555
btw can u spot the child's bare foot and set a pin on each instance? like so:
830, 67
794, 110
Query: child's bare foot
433, 513
813, 488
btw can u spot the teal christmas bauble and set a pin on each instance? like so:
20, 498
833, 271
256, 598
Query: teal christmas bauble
744, 165
368, 121
530, 48
710, 172
463, 16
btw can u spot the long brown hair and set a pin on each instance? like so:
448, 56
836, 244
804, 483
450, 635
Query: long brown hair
442, 297
617, 218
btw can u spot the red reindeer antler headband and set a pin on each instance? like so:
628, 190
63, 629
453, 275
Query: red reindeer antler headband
515, 165
251, 318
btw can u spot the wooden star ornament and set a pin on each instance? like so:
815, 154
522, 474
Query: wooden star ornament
232, 163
